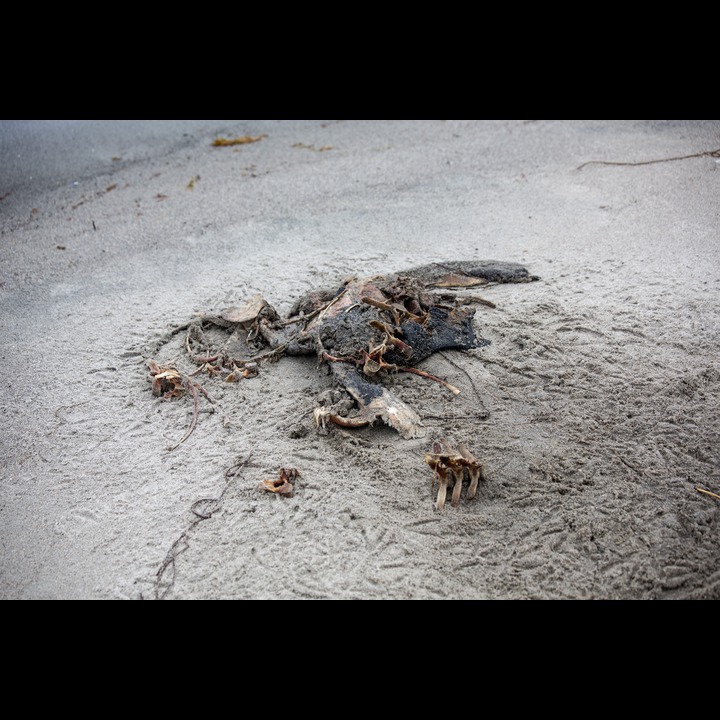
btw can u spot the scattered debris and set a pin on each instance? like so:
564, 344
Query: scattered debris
191, 184
364, 331
454, 464
283, 484
98, 193
60, 247
243, 140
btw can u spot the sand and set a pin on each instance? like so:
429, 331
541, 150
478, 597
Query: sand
595, 409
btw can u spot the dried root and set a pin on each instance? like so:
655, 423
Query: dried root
168, 383
451, 463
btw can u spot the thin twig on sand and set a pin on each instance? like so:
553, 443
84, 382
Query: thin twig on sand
164, 585
193, 388
707, 153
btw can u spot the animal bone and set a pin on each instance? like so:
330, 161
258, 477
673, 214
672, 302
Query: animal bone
454, 464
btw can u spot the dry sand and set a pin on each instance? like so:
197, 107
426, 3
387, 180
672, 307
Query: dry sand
595, 408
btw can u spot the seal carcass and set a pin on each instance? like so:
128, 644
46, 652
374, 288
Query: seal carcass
370, 326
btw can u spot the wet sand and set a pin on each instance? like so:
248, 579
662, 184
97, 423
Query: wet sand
594, 409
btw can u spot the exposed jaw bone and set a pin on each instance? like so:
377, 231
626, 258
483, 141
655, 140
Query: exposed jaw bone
375, 402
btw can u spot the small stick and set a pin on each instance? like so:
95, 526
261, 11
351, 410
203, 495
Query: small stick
376, 303
193, 422
234, 470
203, 391
424, 374
328, 305
197, 371
202, 360
709, 153
310, 315
193, 388
270, 355
481, 301
707, 492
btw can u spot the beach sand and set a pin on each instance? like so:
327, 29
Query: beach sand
595, 408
